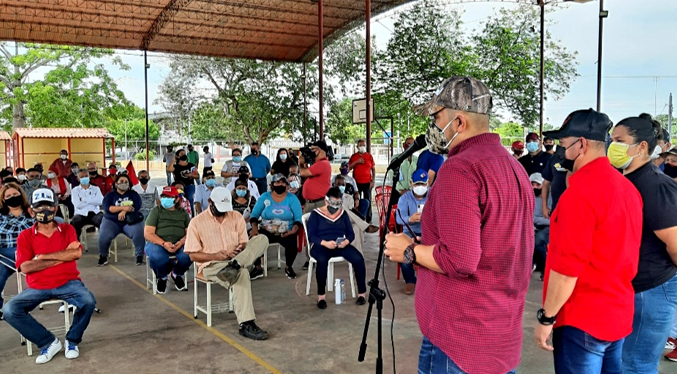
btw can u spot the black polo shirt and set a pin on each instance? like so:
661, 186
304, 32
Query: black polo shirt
557, 176
659, 194
534, 164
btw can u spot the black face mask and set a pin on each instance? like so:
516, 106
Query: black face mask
93, 173
183, 158
144, 180
670, 171
254, 152
45, 216
537, 192
549, 147
14, 201
566, 163
215, 212
332, 209
279, 189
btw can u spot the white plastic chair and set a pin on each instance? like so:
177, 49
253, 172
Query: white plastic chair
151, 277
330, 267
64, 213
279, 257
209, 308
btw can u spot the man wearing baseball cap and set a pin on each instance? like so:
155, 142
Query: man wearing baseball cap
535, 160
474, 267
595, 235
217, 241
541, 225
517, 149
46, 253
165, 234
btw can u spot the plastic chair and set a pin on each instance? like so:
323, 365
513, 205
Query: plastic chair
330, 267
151, 277
265, 258
209, 308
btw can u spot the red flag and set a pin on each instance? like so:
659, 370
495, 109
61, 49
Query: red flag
132, 173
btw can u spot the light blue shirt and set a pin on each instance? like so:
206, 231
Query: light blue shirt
202, 193
406, 207
289, 210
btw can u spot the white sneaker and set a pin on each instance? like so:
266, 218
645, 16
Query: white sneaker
72, 351
48, 353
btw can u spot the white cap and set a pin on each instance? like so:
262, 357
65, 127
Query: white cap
222, 199
536, 177
43, 195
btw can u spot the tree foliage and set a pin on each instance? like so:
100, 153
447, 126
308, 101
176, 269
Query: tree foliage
133, 130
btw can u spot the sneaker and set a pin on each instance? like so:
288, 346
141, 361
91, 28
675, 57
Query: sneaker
290, 273
322, 304
672, 356
371, 229
361, 300
48, 353
103, 260
250, 330
72, 351
179, 283
671, 344
305, 265
257, 273
229, 273
161, 286
139, 260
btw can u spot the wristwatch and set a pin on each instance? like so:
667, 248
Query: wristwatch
543, 320
409, 254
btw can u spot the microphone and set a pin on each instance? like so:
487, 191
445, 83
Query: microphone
419, 144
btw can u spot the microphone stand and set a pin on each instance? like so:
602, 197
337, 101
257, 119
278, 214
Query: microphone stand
377, 295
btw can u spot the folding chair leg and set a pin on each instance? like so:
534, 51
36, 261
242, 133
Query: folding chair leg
330, 277
209, 304
231, 307
265, 263
352, 279
195, 292
310, 275
279, 256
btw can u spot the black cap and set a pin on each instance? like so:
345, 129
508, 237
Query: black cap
243, 170
321, 144
588, 124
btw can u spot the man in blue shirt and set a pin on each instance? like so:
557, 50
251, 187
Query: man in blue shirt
259, 165
409, 209
431, 163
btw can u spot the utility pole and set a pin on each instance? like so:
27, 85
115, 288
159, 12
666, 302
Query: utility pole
541, 3
602, 15
670, 118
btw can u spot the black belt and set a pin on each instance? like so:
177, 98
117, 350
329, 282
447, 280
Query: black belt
257, 179
314, 201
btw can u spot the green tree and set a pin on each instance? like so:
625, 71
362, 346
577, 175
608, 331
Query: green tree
76, 91
131, 131
340, 127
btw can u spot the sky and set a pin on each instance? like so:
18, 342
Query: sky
639, 56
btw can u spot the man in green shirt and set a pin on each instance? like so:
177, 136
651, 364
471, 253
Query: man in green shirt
165, 234
406, 170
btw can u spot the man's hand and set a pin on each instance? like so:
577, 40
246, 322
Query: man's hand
302, 160
416, 217
222, 256
541, 336
239, 249
344, 243
371, 184
289, 233
121, 215
546, 212
254, 232
360, 160
395, 246
329, 244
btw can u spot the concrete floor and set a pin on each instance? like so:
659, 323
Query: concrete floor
137, 332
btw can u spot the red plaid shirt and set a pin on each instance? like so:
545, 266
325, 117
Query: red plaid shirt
479, 217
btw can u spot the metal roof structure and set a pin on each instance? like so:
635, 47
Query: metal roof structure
280, 30
4, 135
47, 132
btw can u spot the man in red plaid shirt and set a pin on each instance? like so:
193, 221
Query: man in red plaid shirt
477, 241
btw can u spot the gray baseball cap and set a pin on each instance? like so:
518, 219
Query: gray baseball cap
460, 93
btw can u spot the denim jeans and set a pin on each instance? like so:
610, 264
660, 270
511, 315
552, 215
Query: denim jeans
408, 273
577, 352
541, 240
109, 230
158, 259
654, 312
365, 193
5, 271
433, 360
190, 194
169, 178
322, 255
673, 331
17, 312
364, 207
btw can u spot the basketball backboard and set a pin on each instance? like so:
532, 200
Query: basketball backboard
360, 110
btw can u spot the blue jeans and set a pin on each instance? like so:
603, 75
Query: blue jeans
541, 240
408, 273
577, 352
322, 255
109, 230
364, 207
169, 178
654, 312
190, 194
6, 272
17, 312
433, 360
158, 259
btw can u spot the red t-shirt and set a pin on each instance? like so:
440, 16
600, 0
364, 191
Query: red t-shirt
316, 187
362, 172
31, 243
595, 233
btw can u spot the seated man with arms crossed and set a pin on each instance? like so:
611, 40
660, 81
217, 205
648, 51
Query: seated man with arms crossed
217, 241
46, 253
87, 200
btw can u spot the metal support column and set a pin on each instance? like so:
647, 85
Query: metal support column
541, 3
368, 67
304, 103
320, 27
145, 77
602, 15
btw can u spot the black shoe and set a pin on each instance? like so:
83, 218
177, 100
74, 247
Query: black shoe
256, 273
250, 330
541, 277
103, 260
305, 266
371, 229
290, 273
322, 304
179, 283
229, 273
139, 260
161, 286
360, 300
91, 229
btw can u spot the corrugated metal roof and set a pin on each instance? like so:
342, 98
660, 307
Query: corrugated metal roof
4, 135
27, 132
280, 30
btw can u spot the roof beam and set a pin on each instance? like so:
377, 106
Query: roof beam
162, 19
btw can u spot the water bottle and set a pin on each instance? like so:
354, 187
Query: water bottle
343, 291
337, 291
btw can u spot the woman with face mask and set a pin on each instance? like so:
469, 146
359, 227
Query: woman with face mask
62, 190
279, 213
121, 215
282, 163
330, 234
14, 218
243, 200
655, 285
184, 172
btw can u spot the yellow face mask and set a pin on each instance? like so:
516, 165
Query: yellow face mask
618, 155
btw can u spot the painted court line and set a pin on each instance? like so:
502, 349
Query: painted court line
217, 333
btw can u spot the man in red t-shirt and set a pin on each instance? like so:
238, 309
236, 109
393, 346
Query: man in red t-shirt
364, 172
595, 234
46, 253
